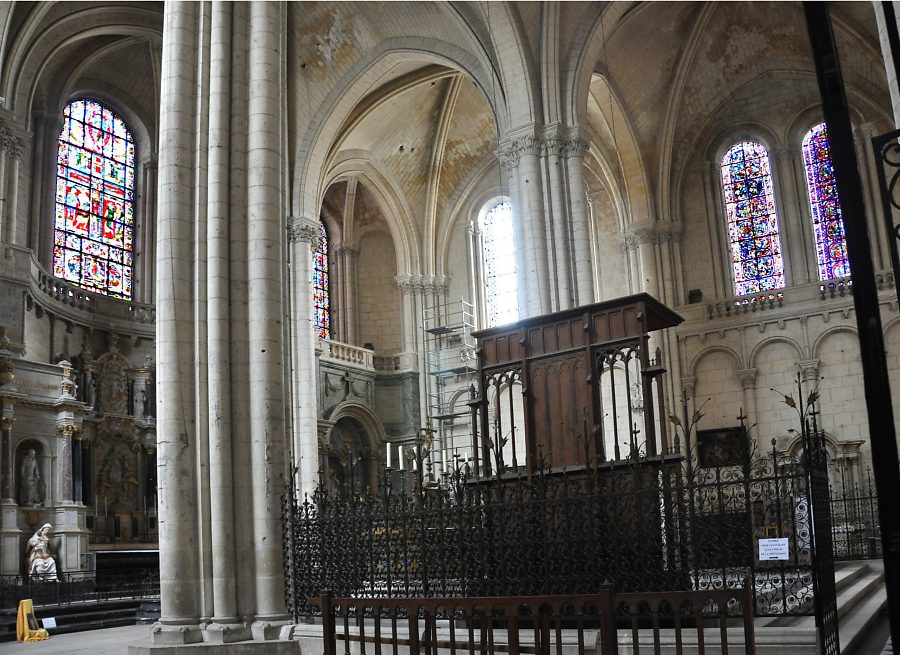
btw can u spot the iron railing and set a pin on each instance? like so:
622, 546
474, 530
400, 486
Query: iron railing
645, 524
80, 586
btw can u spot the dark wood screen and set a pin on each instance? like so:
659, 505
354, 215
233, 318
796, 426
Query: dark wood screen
579, 373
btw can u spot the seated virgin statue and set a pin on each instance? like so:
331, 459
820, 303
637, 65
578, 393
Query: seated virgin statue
41, 565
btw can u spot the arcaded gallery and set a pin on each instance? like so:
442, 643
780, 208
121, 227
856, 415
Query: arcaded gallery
450, 327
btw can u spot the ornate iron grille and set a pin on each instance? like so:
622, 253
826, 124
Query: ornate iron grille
644, 524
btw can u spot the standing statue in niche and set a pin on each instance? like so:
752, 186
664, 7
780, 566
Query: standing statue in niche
40, 563
30, 479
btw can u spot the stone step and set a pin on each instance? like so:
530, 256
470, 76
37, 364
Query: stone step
76, 617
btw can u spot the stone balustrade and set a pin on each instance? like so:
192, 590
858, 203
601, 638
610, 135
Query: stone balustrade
81, 306
346, 354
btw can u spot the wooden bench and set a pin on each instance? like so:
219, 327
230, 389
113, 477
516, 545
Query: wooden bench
534, 624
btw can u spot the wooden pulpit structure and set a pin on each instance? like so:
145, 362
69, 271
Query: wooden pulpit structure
579, 385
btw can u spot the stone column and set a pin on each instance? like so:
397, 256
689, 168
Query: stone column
226, 624
347, 256
797, 241
509, 159
77, 468
533, 254
13, 147
265, 266
561, 251
303, 234
573, 151
66, 432
7, 493
880, 19
411, 318
178, 530
748, 385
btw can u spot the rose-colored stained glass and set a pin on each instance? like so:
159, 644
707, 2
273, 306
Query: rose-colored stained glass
755, 243
321, 298
94, 217
825, 207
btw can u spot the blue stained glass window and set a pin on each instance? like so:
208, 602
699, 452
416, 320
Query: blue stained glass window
825, 207
93, 237
321, 300
501, 285
755, 243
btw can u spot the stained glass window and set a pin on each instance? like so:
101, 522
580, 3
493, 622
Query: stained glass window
828, 225
501, 297
321, 300
756, 259
93, 239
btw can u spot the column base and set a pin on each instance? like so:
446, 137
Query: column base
268, 629
226, 631
170, 635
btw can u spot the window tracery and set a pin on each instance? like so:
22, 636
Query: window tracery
321, 296
93, 240
498, 257
753, 233
825, 207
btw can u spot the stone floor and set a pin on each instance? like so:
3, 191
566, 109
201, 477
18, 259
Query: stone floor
108, 641
114, 641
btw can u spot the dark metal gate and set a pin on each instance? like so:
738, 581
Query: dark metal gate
644, 524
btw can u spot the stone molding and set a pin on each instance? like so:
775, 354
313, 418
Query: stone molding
656, 234
548, 142
422, 284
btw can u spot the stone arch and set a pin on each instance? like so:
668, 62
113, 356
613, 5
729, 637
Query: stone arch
315, 145
31, 53
397, 213
692, 367
847, 329
353, 447
754, 353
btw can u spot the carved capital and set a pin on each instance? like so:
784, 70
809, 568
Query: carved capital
67, 430
688, 385
748, 378
575, 147
656, 233
7, 423
304, 230
809, 369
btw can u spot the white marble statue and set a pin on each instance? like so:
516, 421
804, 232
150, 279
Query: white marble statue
41, 565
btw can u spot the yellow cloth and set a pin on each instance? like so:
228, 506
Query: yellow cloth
26, 623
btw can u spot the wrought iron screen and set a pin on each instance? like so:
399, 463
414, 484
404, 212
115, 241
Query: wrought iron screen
646, 524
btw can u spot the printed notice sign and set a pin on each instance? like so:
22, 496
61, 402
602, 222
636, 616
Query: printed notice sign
774, 549
49, 622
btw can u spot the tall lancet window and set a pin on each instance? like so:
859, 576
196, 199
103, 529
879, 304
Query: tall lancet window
755, 243
321, 299
93, 239
499, 257
828, 224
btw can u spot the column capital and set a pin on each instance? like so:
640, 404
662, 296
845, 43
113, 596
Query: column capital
418, 284
302, 229
655, 233
9, 142
809, 369
7, 423
688, 385
748, 377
